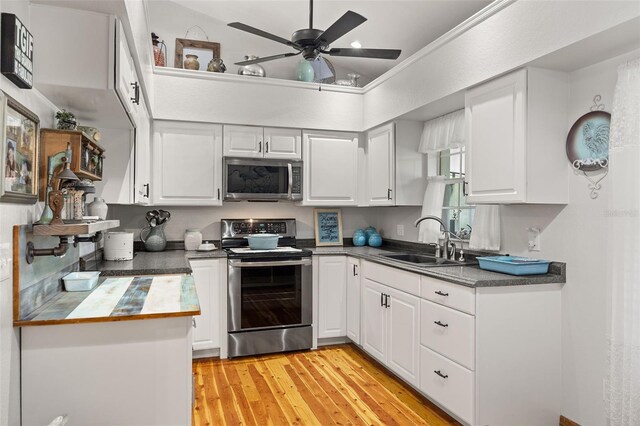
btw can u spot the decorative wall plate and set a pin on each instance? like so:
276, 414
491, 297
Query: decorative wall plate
588, 141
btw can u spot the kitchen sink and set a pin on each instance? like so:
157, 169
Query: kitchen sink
425, 260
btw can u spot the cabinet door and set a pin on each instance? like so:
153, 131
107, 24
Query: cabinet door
282, 143
330, 175
403, 335
243, 141
373, 316
381, 165
126, 80
353, 299
332, 296
118, 169
187, 164
142, 186
206, 333
496, 131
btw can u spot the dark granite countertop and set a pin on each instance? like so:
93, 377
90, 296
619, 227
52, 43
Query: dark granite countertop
177, 262
470, 276
166, 262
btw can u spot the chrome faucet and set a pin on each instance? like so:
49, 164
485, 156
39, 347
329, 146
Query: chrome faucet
447, 253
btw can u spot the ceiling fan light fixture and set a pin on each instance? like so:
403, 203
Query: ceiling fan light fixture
356, 44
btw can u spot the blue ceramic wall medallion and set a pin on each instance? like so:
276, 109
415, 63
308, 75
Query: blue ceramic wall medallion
588, 145
588, 141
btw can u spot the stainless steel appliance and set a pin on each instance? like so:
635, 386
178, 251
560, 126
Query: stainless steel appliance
259, 179
269, 291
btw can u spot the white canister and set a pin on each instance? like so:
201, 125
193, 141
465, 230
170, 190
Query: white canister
192, 239
118, 246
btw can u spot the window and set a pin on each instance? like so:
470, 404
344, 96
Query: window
455, 212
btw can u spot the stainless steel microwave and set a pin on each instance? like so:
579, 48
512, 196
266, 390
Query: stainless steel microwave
258, 179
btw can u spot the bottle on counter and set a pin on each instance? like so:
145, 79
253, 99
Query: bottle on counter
192, 239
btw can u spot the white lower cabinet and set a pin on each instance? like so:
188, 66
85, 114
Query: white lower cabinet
353, 299
332, 296
391, 327
210, 278
447, 383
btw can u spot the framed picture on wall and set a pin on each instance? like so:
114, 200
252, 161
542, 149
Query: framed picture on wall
19, 150
328, 227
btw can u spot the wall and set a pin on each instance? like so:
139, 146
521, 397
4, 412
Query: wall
11, 214
518, 34
575, 234
207, 219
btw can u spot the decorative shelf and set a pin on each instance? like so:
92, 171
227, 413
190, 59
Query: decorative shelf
75, 228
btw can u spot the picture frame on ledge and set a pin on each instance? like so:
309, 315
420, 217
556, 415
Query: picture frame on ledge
328, 227
204, 50
19, 148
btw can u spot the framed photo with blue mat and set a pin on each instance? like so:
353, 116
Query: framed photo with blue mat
328, 227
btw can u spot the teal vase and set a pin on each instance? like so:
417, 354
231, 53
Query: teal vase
375, 240
304, 71
359, 238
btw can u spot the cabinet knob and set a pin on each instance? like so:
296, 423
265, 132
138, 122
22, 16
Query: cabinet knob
260, 146
193, 322
354, 271
389, 193
146, 192
440, 293
266, 147
441, 324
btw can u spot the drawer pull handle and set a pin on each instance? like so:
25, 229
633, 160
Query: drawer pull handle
441, 324
440, 293
444, 376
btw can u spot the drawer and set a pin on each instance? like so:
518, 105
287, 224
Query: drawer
449, 332
453, 388
455, 296
392, 277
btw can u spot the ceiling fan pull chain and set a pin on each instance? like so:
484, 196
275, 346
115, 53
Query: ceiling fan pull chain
310, 14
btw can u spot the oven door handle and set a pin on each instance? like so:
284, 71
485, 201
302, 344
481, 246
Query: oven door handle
290, 190
241, 264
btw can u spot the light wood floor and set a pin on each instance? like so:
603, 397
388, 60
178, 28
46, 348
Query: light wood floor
333, 385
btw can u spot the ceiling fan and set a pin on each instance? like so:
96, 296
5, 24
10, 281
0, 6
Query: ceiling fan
311, 42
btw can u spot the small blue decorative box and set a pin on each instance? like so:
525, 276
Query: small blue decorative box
514, 265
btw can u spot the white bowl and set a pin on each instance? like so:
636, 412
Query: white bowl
81, 281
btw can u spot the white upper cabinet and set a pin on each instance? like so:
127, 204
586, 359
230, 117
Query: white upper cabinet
127, 85
282, 143
187, 164
142, 186
259, 142
330, 175
516, 131
396, 172
381, 165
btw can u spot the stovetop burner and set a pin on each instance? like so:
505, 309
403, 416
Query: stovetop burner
234, 232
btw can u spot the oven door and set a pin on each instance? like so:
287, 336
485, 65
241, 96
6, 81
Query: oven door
262, 179
269, 294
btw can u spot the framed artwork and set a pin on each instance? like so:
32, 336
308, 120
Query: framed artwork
204, 50
328, 227
19, 149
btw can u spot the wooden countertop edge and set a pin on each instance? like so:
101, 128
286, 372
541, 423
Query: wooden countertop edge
105, 319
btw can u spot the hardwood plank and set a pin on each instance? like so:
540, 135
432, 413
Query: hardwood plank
564, 421
338, 385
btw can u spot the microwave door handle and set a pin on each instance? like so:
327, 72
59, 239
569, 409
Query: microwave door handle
289, 191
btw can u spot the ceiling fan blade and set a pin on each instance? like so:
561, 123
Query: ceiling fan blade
258, 32
366, 53
346, 23
266, 58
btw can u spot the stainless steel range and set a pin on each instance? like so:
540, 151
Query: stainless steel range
269, 297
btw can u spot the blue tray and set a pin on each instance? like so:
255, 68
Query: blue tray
514, 265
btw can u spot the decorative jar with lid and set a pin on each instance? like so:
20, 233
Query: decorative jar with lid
192, 239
